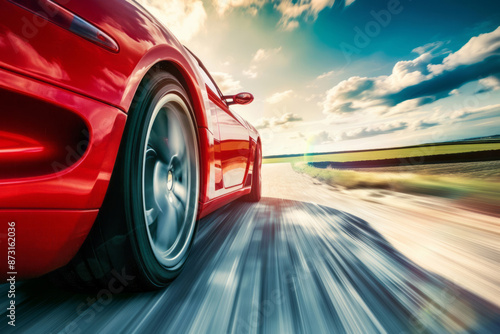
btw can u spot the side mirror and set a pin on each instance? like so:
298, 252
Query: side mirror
240, 98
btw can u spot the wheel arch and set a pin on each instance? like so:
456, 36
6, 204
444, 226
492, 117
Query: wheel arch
182, 68
180, 64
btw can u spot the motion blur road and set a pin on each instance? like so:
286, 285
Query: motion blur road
308, 258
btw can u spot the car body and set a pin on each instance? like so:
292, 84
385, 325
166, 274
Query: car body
65, 104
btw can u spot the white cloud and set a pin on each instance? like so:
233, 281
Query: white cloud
262, 123
424, 124
259, 57
416, 82
325, 75
298, 135
291, 11
319, 138
374, 130
280, 96
251, 72
488, 84
223, 6
291, 25
226, 83
467, 112
475, 50
263, 54
273, 122
362, 93
252, 11
184, 18
403, 107
427, 47
313, 97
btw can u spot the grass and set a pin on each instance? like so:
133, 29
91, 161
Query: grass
485, 192
393, 153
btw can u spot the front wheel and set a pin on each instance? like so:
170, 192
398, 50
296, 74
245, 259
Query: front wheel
147, 224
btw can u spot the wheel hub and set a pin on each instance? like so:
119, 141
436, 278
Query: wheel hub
170, 180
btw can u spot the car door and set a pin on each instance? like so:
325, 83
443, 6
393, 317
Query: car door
231, 143
234, 147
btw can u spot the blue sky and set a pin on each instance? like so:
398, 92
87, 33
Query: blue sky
355, 74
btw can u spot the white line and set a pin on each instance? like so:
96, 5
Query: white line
152, 308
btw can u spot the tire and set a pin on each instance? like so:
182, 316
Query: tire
146, 226
255, 193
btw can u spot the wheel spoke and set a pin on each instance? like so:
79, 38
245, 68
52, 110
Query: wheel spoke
178, 204
180, 192
167, 229
159, 132
151, 215
180, 210
160, 136
176, 138
149, 182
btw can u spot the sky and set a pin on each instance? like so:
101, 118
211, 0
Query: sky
337, 75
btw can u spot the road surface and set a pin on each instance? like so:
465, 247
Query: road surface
308, 258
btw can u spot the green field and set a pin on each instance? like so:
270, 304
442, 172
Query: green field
475, 184
458, 183
391, 153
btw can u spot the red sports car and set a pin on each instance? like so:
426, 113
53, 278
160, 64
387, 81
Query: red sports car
114, 141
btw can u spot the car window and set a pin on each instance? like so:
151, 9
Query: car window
238, 117
207, 78
209, 82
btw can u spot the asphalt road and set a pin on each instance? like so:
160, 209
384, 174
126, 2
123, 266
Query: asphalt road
307, 259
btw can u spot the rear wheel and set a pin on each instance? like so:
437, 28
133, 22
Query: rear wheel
255, 194
146, 226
